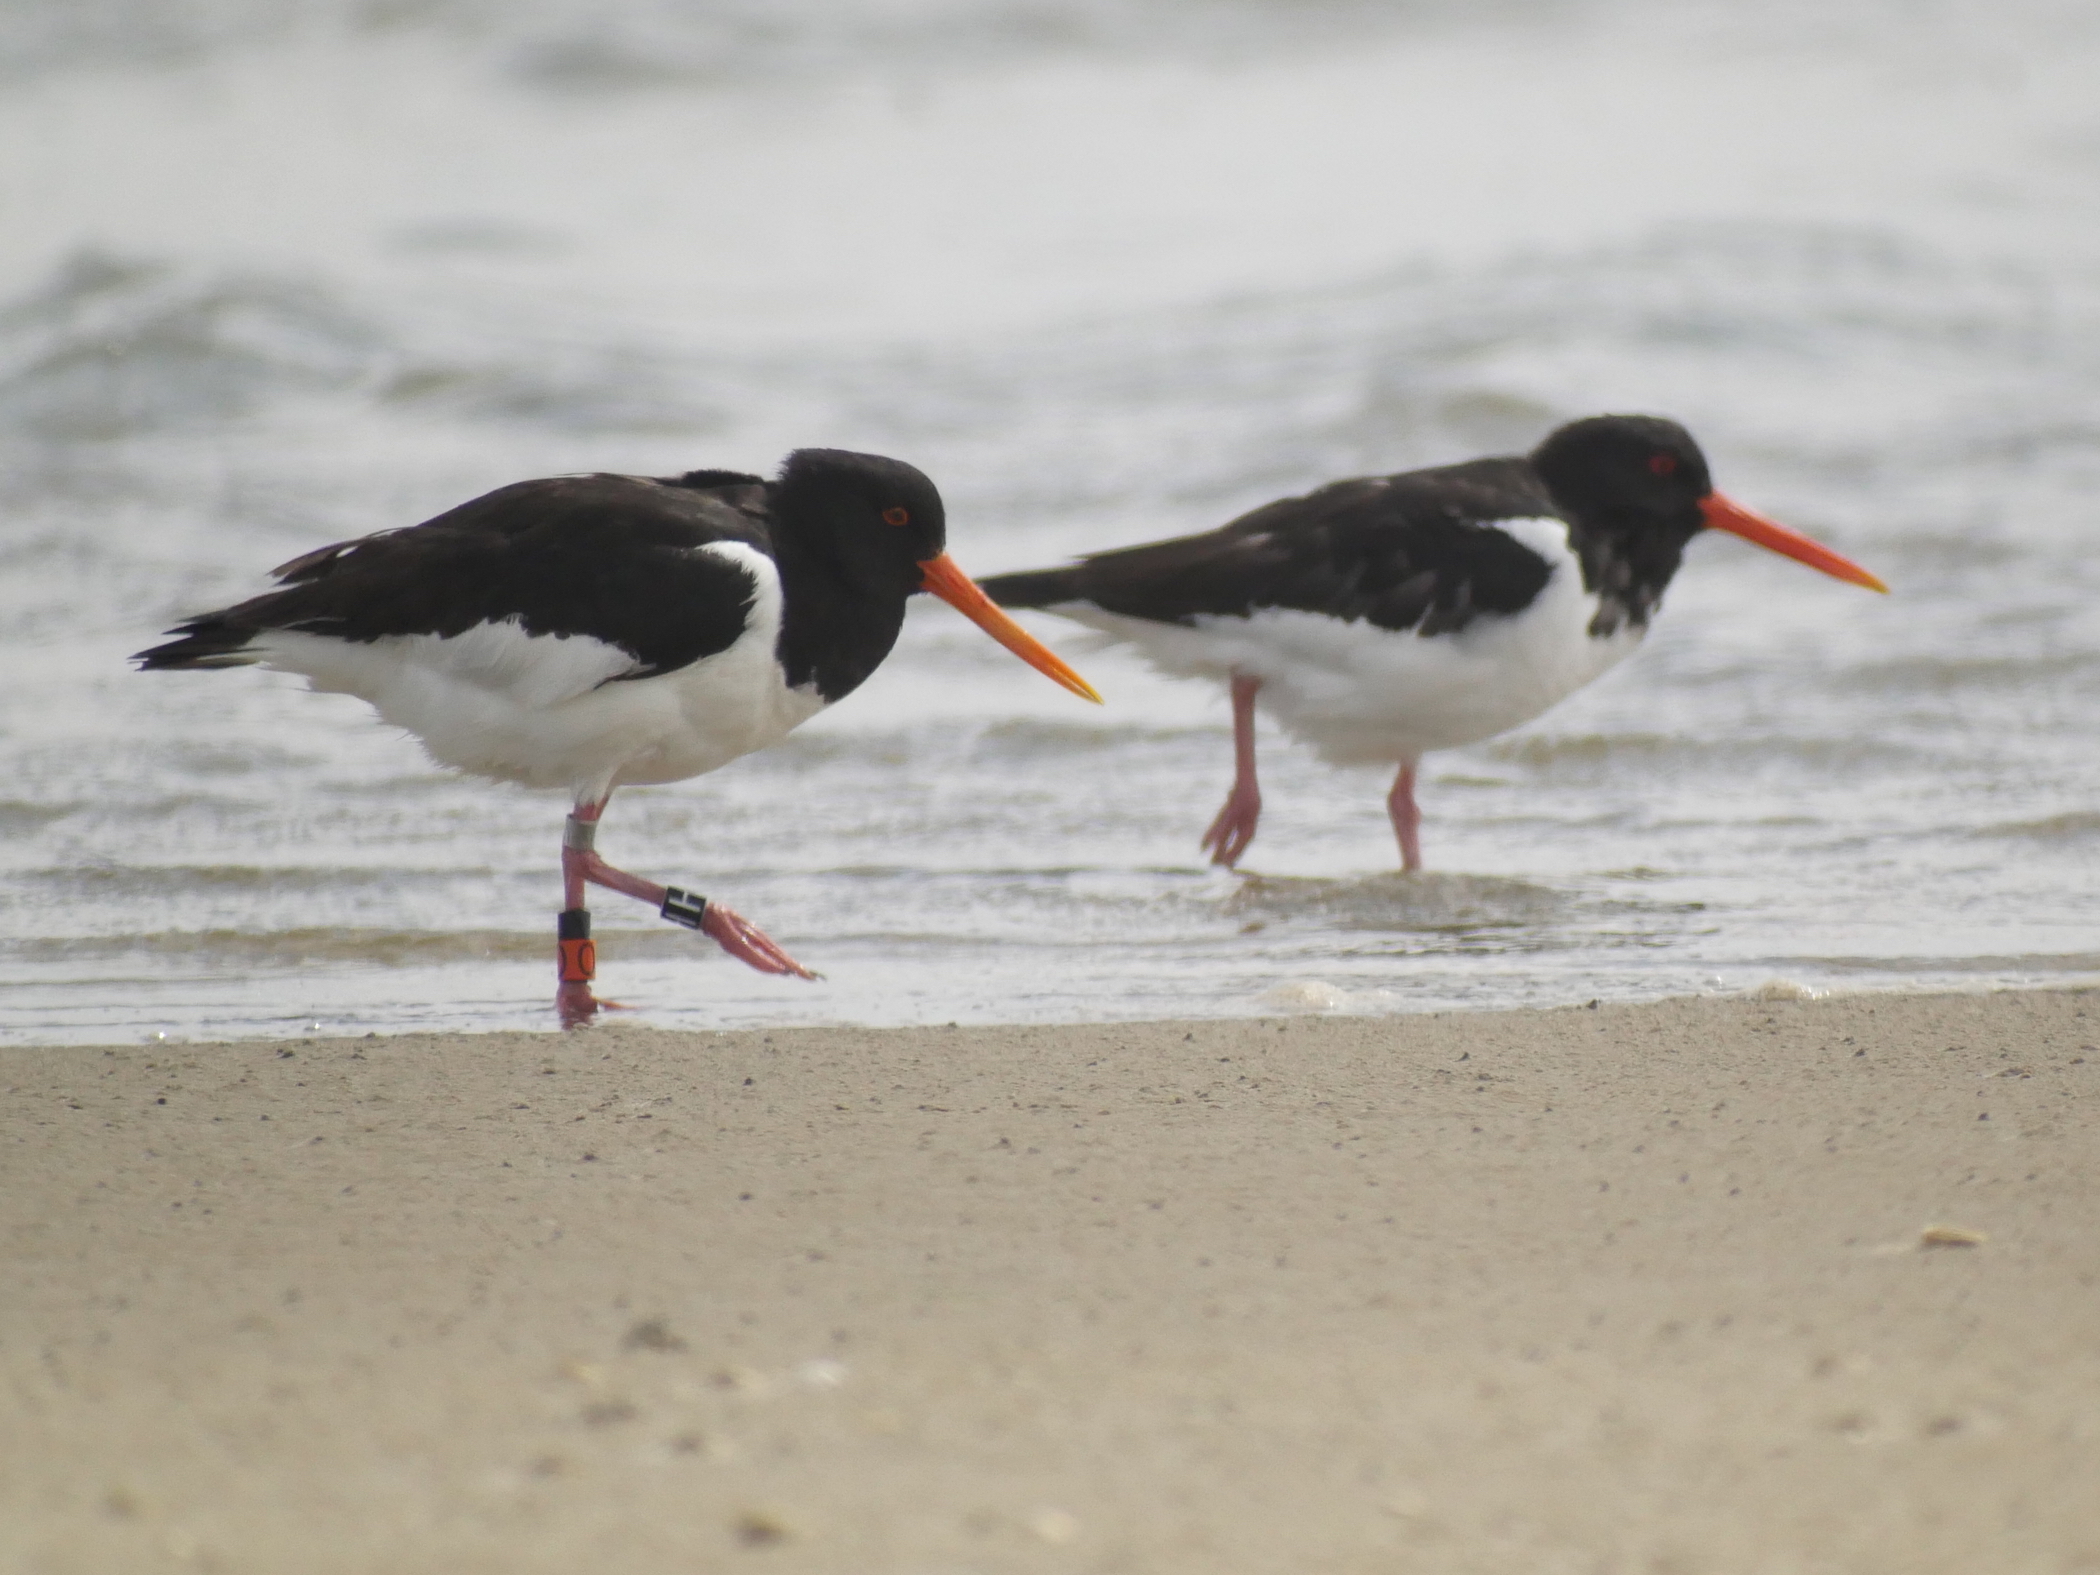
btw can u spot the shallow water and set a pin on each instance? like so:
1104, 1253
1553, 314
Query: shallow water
279, 275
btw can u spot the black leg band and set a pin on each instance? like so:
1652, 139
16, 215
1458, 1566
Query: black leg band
683, 907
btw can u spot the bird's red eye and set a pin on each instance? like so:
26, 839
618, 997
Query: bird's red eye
1663, 464
896, 516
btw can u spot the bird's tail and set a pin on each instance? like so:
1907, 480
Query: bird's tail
1033, 587
213, 640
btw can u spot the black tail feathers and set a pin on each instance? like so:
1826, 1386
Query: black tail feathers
210, 641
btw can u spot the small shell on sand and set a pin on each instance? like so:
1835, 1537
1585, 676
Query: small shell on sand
821, 1372
1304, 995
1055, 1526
1951, 1236
1784, 990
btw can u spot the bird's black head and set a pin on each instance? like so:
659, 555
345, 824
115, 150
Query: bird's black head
1631, 488
1635, 489
877, 519
1626, 473
854, 535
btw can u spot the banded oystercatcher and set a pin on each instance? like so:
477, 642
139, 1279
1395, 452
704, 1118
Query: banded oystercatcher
585, 632
1380, 618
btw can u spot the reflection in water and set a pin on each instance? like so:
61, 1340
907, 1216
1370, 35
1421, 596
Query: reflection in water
1426, 900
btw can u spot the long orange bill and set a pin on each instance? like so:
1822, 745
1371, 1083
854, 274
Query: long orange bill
959, 591
1722, 514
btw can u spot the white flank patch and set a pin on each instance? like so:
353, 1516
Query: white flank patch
541, 709
1360, 694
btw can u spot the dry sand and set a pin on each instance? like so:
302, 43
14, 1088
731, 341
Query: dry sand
1635, 1289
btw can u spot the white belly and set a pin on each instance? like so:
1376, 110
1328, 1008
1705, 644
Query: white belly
1362, 695
551, 711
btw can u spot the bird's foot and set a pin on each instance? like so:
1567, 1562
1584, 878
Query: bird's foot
576, 1006
747, 943
578, 954
728, 929
1233, 830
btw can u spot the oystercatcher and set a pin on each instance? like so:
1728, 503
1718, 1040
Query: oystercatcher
584, 632
1383, 617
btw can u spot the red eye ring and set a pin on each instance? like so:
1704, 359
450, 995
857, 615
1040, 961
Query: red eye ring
896, 516
1663, 464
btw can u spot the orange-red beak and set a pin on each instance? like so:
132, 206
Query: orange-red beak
959, 591
1722, 514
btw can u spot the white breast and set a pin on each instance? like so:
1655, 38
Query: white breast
546, 711
1360, 694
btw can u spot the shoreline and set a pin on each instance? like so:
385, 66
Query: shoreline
1307, 997
1641, 1287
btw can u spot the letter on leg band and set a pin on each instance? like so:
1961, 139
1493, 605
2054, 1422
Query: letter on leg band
683, 907
582, 835
579, 953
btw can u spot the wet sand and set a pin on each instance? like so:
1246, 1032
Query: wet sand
1639, 1289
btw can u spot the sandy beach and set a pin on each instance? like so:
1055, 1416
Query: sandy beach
1617, 1289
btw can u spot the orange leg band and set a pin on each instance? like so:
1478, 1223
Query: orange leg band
579, 953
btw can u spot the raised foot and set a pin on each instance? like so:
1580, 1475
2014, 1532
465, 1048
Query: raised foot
747, 943
1233, 830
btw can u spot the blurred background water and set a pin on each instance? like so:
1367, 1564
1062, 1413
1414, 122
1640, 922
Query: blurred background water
278, 272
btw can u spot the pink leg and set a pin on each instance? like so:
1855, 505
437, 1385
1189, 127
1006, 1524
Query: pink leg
1407, 819
581, 865
1230, 833
573, 1000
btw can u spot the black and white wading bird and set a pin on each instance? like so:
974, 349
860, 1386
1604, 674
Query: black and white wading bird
1380, 618
585, 632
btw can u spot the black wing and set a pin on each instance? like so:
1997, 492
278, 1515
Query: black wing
1412, 551
611, 557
